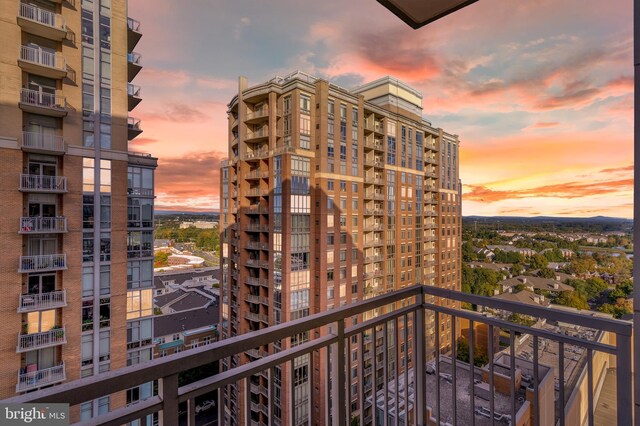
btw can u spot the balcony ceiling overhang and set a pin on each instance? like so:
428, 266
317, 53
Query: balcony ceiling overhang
418, 13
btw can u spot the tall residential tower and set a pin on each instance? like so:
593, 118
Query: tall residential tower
329, 196
76, 218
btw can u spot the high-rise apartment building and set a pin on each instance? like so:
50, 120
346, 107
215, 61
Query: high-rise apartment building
76, 218
329, 196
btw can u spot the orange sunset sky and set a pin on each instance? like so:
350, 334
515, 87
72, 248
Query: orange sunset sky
540, 91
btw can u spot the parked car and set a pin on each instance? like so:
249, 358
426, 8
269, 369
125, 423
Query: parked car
205, 406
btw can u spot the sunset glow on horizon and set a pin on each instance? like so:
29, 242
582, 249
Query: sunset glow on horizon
540, 92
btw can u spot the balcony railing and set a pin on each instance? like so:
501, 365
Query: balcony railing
42, 301
39, 378
42, 183
45, 339
413, 382
39, 225
43, 58
43, 263
133, 25
36, 98
41, 16
42, 142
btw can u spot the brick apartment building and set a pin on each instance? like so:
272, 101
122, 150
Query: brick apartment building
329, 196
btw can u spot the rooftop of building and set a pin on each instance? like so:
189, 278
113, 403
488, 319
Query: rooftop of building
492, 266
178, 277
447, 392
164, 325
538, 283
524, 296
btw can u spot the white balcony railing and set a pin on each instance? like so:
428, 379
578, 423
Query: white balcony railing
39, 378
45, 339
35, 225
42, 141
133, 90
133, 25
43, 99
41, 301
42, 183
134, 58
43, 263
42, 57
41, 16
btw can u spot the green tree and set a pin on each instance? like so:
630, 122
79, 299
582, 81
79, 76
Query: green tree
161, 259
538, 261
468, 255
572, 299
547, 273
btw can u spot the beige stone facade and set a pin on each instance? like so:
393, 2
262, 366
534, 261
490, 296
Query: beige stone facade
65, 97
329, 196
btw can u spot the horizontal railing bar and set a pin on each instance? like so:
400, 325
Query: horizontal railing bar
230, 376
598, 323
125, 414
88, 388
601, 347
364, 326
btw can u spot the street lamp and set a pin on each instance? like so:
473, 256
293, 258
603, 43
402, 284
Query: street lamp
418, 13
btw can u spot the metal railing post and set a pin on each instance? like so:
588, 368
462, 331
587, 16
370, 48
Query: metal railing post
420, 402
338, 389
623, 380
168, 390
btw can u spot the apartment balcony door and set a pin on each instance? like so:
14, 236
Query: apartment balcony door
40, 321
44, 89
42, 358
42, 165
42, 246
42, 205
42, 283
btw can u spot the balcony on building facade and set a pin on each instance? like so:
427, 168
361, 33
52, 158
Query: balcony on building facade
41, 22
46, 63
133, 127
43, 103
424, 386
42, 143
251, 298
257, 135
134, 95
257, 174
29, 379
256, 154
256, 245
134, 65
42, 301
43, 225
257, 317
256, 228
263, 282
43, 183
44, 339
42, 263
257, 263
257, 210
133, 33
257, 116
